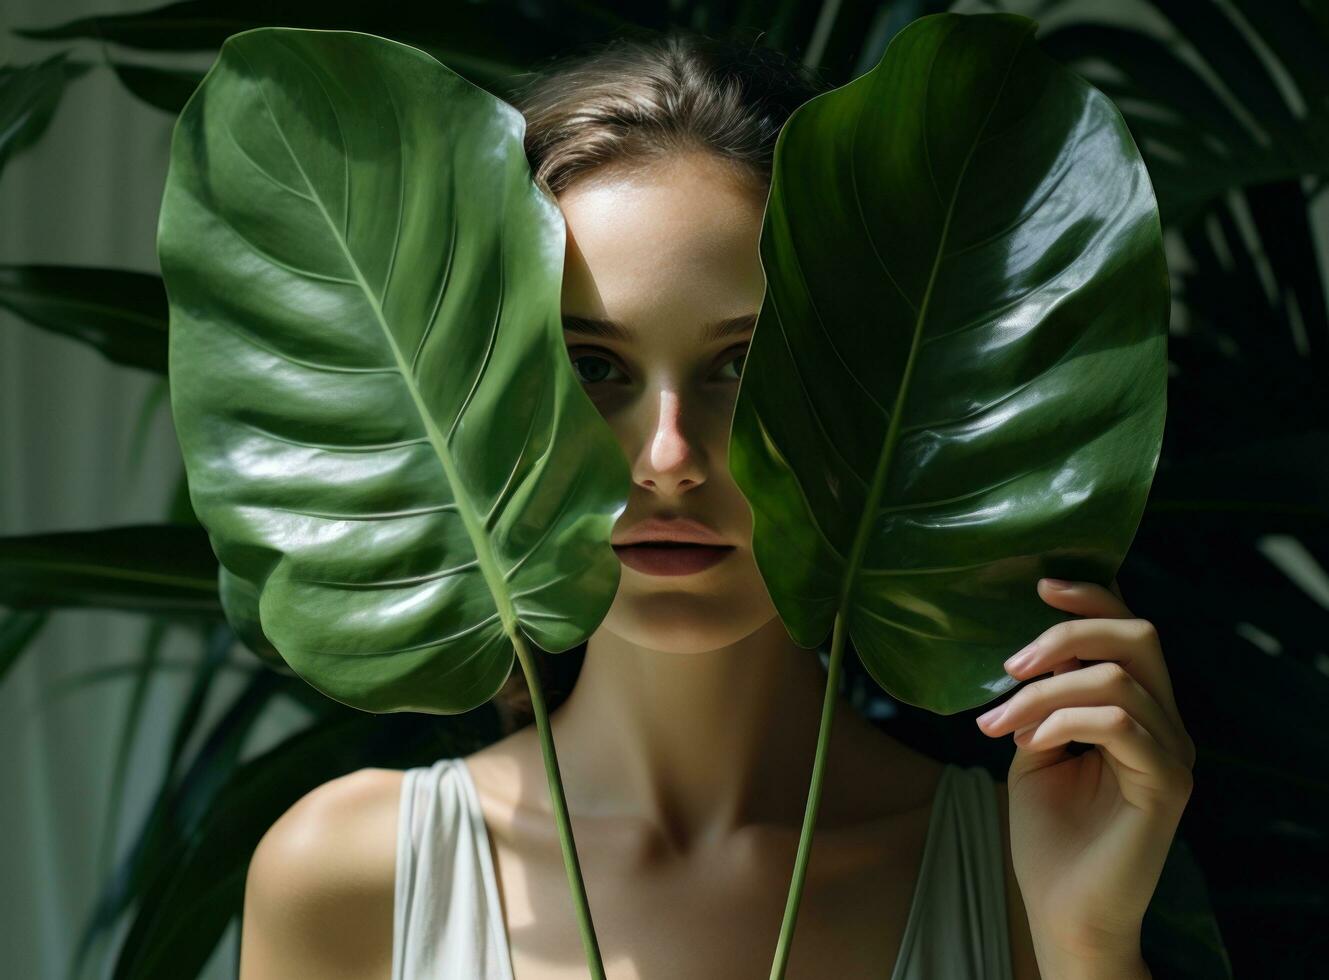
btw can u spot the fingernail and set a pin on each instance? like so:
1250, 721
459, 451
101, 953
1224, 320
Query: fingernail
991, 717
1020, 659
1057, 583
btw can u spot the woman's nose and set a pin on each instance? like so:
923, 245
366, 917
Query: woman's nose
669, 462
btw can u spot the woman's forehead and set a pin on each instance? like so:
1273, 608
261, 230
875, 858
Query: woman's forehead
666, 243
711, 331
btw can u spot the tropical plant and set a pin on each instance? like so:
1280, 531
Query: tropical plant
967, 296
344, 423
1227, 105
398, 470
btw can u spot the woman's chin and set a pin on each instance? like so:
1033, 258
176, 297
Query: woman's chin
674, 619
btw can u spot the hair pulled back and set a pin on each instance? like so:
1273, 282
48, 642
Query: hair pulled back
620, 105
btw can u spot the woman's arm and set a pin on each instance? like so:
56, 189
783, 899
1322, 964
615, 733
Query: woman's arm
1024, 962
1090, 830
318, 895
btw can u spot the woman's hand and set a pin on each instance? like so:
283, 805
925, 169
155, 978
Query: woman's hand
1090, 832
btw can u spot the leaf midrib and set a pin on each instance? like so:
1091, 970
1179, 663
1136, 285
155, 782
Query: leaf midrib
465, 508
886, 456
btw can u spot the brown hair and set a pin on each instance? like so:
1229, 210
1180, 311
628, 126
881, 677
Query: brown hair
624, 103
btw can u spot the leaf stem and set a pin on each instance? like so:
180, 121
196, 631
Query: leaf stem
570, 863
814, 801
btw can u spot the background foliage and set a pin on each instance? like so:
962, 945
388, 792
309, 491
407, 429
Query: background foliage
1229, 103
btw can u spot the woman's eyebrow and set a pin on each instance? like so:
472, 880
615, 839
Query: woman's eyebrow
613, 330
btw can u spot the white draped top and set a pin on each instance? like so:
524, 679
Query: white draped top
448, 921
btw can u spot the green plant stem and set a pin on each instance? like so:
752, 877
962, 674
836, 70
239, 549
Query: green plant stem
570, 863
814, 801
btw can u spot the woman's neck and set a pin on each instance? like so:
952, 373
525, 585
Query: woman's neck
698, 744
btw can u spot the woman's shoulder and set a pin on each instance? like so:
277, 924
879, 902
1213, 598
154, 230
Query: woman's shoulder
338, 826
320, 884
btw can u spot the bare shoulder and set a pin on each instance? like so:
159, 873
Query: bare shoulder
1024, 965
319, 890
500, 770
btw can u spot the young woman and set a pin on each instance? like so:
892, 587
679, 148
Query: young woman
686, 744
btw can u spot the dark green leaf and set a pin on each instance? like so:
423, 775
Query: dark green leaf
166, 88
1179, 937
161, 828
1280, 483
1226, 124
120, 313
29, 95
17, 630
165, 568
488, 42
957, 381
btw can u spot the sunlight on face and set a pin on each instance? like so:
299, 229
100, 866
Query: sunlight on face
668, 255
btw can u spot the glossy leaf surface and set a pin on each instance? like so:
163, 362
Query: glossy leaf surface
382, 430
957, 380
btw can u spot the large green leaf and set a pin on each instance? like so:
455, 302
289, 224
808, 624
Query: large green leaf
957, 381
382, 430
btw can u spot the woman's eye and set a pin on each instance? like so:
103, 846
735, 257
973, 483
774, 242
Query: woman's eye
596, 372
593, 369
737, 364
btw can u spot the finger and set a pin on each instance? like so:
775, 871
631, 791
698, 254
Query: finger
1104, 683
1112, 728
1133, 643
1083, 598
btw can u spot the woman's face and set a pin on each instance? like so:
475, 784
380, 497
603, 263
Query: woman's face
667, 253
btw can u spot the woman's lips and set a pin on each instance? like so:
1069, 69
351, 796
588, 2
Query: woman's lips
662, 559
